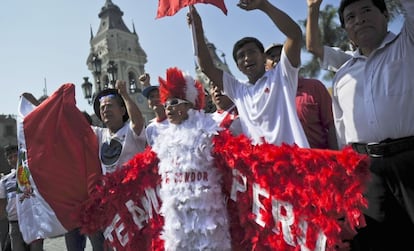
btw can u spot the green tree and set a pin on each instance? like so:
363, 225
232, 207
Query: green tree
331, 34
394, 8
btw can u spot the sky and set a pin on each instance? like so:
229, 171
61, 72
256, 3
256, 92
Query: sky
45, 44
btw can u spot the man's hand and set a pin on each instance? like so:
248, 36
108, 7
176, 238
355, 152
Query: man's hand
193, 17
144, 79
251, 4
121, 86
314, 3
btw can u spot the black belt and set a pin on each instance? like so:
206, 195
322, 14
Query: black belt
385, 148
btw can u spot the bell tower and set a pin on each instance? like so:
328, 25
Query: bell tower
115, 53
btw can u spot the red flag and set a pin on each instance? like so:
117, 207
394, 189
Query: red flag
62, 153
170, 7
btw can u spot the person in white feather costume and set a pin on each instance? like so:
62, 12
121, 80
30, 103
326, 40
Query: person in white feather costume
193, 205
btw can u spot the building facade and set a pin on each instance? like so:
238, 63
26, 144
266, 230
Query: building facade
8, 136
115, 53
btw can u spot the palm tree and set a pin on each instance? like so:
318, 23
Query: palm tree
331, 34
394, 8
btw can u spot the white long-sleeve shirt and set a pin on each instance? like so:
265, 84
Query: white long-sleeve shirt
373, 96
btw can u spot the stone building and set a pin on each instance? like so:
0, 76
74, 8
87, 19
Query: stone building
8, 136
115, 53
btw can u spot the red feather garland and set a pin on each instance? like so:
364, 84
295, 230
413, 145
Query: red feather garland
321, 186
127, 183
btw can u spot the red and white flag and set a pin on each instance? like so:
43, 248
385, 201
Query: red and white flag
58, 164
171, 7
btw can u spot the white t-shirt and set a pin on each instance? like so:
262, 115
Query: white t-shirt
230, 114
153, 129
117, 149
267, 108
8, 190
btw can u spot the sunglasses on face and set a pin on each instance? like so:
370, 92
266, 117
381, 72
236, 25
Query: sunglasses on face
174, 102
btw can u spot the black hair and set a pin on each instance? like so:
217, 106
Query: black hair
114, 93
9, 149
242, 42
380, 4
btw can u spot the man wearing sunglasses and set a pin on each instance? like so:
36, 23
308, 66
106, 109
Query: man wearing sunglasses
185, 148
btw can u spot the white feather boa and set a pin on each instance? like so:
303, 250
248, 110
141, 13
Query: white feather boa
193, 204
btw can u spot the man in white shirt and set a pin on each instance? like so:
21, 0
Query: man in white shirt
226, 114
373, 109
8, 200
123, 135
266, 104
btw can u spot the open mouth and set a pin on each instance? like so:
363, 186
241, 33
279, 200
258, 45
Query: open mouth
250, 66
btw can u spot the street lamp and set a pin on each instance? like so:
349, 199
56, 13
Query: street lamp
97, 69
112, 71
132, 86
87, 89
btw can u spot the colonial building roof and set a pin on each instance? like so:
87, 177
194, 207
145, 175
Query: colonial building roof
111, 18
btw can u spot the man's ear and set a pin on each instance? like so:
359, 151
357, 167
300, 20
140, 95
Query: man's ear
387, 15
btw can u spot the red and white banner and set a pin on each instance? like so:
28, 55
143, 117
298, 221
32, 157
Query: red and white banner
280, 197
171, 7
58, 164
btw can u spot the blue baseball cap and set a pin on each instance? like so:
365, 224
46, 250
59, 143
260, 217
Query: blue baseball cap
147, 90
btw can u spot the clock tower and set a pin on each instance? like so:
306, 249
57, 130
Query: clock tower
115, 53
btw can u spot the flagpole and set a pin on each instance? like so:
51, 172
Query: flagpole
193, 33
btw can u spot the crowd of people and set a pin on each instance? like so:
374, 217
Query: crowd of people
369, 110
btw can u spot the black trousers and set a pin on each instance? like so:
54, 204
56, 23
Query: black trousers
390, 212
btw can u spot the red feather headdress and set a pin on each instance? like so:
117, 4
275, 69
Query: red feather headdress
181, 85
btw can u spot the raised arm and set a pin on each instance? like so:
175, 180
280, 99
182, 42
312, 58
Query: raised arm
313, 36
133, 111
145, 80
202, 52
31, 98
284, 23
